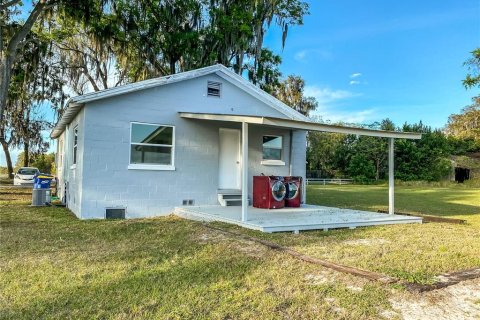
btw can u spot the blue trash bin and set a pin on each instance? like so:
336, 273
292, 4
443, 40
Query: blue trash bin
42, 181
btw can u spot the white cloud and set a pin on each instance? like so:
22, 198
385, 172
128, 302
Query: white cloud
353, 117
300, 55
326, 95
312, 54
355, 75
335, 116
328, 106
354, 82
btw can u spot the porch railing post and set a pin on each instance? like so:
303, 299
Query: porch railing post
391, 178
244, 171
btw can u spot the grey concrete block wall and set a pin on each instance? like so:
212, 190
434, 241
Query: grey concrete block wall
255, 154
105, 180
72, 174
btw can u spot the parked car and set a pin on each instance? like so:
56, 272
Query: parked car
24, 176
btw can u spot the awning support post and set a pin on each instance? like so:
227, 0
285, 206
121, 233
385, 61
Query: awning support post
391, 178
244, 171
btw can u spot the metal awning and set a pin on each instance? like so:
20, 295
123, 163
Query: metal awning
300, 125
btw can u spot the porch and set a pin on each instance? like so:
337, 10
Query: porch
307, 217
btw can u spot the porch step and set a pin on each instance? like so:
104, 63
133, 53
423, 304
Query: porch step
228, 198
237, 192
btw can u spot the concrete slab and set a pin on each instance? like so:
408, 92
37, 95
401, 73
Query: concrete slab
307, 217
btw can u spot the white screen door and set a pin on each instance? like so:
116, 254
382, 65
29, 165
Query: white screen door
229, 166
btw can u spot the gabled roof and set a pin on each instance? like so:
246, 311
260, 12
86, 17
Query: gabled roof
75, 104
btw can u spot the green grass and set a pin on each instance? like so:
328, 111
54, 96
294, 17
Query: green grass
415, 253
53, 265
450, 201
5, 180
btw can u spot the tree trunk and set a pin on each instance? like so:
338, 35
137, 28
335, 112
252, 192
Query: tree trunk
172, 66
26, 155
377, 173
5, 68
7, 156
9, 54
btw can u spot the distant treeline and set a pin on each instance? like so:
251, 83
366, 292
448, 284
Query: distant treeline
365, 159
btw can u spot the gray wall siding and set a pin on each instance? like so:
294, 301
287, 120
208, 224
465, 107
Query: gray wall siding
255, 154
73, 174
107, 181
59, 165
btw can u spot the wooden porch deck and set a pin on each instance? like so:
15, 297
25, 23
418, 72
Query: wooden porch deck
307, 217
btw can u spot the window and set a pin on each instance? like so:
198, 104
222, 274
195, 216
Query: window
272, 147
213, 89
151, 146
75, 142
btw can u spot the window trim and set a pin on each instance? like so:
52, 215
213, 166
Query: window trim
75, 146
147, 166
274, 162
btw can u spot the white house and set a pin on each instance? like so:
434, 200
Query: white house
145, 148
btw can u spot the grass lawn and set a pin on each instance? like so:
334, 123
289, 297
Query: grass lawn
454, 200
5, 180
415, 252
53, 265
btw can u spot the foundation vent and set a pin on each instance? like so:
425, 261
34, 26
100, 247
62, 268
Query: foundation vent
115, 213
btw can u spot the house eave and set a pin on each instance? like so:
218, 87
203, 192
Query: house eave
300, 125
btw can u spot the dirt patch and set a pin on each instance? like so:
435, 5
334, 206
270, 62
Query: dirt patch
354, 288
322, 277
333, 304
331, 277
249, 248
459, 301
252, 249
365, 242
212, 236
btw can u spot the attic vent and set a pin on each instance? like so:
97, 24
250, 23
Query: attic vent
213, 89
115, 213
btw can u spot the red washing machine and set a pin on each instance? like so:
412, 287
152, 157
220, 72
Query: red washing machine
268, 192
293, 197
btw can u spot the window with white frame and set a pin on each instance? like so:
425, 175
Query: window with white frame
272, 147
75, 143
151, 144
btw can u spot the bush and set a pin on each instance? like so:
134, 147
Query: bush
441, 169
361, 169
45, 162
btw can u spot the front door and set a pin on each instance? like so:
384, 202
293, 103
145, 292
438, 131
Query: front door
229, 166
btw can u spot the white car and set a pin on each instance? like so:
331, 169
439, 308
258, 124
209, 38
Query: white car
24, 176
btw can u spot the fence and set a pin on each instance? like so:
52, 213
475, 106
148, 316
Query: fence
328, 181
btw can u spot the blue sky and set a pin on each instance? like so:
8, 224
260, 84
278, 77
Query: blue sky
368, 60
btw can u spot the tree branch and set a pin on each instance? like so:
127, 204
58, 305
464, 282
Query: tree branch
26, 27
89, 77
4, 6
